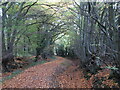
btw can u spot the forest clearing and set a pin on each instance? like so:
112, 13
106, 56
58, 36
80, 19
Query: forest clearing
60, 44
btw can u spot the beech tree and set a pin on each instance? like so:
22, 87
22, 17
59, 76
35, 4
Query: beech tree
96, 31
12, 19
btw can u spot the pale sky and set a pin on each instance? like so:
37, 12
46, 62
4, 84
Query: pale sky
53, 0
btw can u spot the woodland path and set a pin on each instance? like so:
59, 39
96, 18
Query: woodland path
58, 73
39, 76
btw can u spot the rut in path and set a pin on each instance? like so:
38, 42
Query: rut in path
39, 76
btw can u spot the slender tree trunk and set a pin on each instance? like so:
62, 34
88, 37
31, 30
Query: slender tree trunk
3, 41
7, 51
0, 41
119, 41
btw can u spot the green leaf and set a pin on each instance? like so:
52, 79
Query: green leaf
111, 67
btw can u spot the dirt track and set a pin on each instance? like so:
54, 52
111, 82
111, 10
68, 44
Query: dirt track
40, 76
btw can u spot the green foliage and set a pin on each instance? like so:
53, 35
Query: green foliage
111, 67
13, 74
36, 63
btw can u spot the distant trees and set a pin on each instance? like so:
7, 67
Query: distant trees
48, 31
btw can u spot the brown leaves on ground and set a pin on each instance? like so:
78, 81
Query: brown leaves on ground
60, 73
39, 76
74, 78
106, 83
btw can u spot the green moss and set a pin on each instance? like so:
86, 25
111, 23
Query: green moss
35, 63
13, 74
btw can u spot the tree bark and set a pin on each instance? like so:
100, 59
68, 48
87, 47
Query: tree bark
119, 41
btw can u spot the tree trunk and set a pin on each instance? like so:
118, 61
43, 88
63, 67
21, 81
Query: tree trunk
119, 41
7, 51
0, 41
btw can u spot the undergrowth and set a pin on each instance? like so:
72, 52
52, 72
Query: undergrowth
13, 74
16, 72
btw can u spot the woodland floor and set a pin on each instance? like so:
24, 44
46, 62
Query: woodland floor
59, 73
